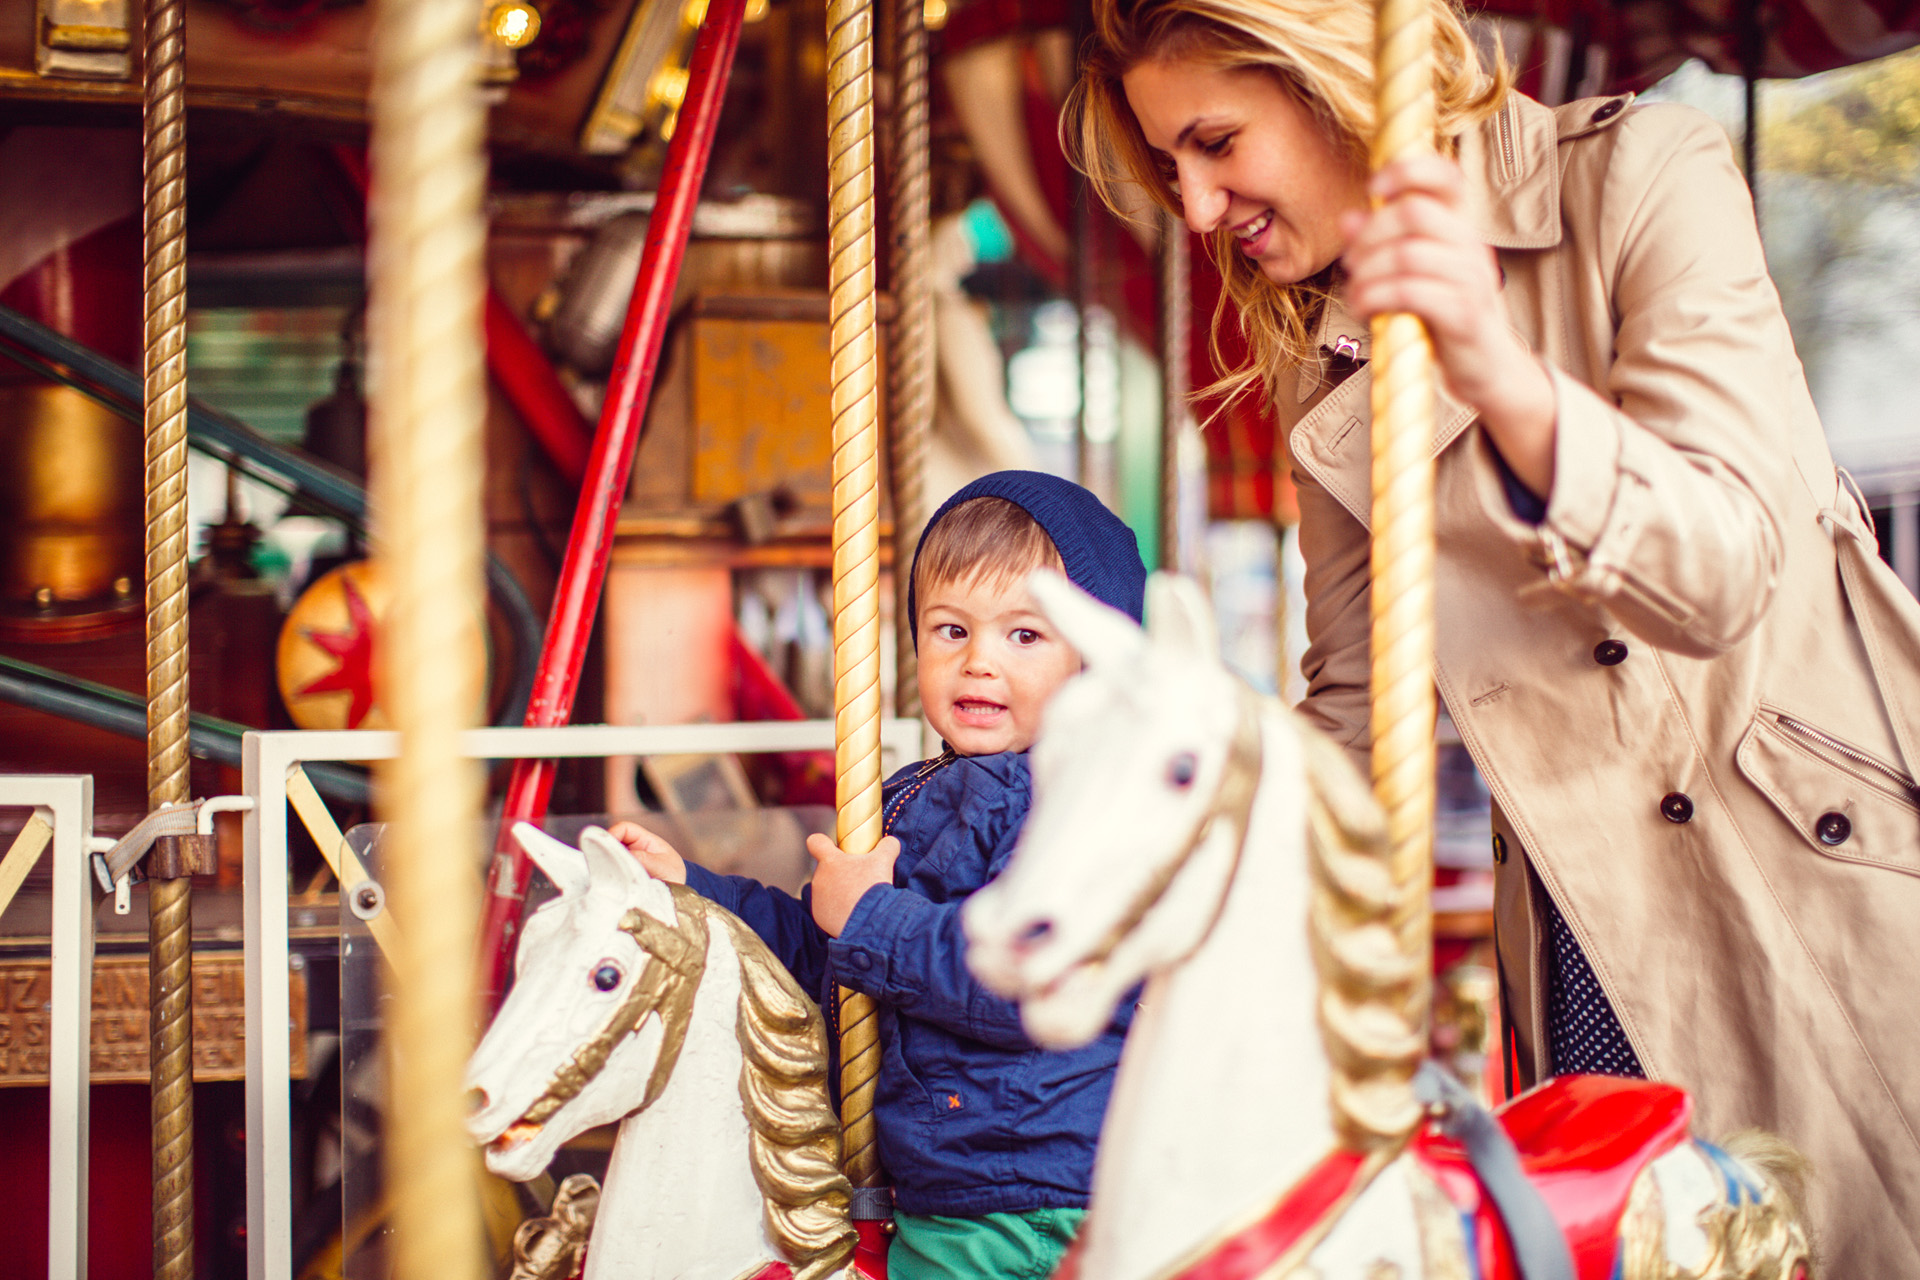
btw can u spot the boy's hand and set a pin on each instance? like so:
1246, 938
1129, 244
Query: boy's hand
841, 878
655, 854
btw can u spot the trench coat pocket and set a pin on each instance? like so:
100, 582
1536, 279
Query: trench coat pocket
1844, 802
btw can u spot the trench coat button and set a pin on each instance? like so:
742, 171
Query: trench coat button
1833, 828
1608, 110
1499, 849
1676, 806
1610, 653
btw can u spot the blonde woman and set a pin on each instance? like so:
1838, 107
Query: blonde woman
1663, 630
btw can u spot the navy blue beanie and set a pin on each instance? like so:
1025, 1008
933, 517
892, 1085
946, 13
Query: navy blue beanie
1098, 550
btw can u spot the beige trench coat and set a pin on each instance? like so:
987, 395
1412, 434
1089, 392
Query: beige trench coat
1764, 952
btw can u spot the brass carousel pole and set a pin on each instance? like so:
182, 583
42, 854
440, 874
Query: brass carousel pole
1403, 554
856, 523
427, 409
911, 372
170, 884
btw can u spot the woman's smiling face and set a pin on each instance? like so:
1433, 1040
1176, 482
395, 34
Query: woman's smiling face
1247, 156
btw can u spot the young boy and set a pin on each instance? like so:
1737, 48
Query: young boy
989, 1140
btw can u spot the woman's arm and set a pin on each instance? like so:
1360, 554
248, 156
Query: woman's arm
1674, 474
1667, 482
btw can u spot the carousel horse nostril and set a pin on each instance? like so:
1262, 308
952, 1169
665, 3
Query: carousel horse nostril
1033, 935
476, 1101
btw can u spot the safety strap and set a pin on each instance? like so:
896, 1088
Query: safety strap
169, 820
1540, 1249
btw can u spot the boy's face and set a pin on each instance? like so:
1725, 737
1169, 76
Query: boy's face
989, 660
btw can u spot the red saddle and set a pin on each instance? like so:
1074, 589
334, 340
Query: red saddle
1582, 1141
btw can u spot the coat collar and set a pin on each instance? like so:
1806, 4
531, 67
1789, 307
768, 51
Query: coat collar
1513, 199
1513, 176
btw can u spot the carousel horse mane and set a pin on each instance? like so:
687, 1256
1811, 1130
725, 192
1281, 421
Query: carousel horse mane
795, 1133
1372, 982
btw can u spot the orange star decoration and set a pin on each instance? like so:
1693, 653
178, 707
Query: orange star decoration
326, 653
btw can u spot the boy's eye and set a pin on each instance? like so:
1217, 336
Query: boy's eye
1026, 635
950, 631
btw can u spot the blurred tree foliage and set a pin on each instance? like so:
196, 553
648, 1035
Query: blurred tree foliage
1862, 126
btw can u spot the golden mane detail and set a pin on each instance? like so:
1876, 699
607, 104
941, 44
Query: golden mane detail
794, 1139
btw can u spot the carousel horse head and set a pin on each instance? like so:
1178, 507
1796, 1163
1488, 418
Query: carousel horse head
1144, 780
602, 998
618, 980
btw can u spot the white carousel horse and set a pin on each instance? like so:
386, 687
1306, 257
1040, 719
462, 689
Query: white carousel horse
1160, 784
639, 1002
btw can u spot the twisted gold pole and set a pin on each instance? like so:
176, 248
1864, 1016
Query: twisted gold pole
1402, 589
1176, 305
910, 375
856, 520
428, 405
169, 900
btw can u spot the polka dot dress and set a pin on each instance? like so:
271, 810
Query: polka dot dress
1582, 1030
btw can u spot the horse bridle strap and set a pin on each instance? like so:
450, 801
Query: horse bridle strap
1232, 804
677, 959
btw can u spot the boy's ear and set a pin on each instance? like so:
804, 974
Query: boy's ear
1180, 618
1103, 635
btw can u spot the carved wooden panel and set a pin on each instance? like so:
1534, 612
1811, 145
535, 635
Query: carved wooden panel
120, 1019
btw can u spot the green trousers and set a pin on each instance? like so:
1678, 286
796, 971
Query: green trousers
999, 1246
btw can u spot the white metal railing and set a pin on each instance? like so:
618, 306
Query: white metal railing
63, 802
267, 761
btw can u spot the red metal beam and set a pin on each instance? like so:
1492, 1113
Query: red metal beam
526, 378
622, 419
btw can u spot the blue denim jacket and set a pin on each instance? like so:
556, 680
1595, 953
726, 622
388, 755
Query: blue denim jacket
973, 1117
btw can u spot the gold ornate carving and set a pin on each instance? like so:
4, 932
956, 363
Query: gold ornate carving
795, 1136
551, 1248
1754, 1239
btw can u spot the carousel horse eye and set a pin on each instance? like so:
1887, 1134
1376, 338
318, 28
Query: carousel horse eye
1182, 769
606, 977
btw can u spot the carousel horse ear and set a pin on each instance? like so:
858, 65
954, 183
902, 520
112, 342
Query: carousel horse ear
609, 863
1103, 635
562, 863
1180, 618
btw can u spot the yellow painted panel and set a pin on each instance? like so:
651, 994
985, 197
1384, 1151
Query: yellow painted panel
762, 408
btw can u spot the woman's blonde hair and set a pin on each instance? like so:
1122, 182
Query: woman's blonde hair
1322, 51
